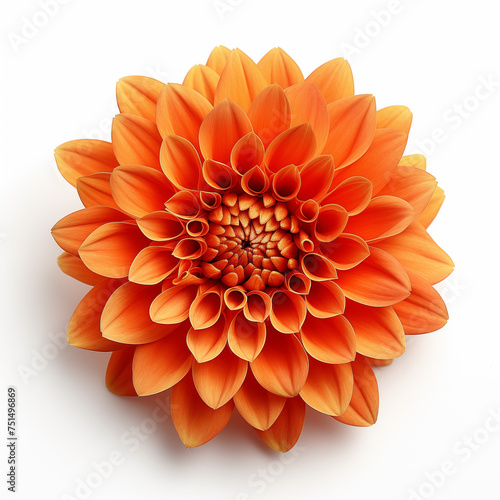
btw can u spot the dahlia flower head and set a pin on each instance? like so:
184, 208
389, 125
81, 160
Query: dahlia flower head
254, 240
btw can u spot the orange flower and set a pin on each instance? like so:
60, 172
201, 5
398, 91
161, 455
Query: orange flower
253, 239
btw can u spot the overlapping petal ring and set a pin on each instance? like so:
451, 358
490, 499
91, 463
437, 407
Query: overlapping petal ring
254, 239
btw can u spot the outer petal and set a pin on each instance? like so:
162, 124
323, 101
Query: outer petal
379, 161
353, 193
180, 111
221, 130
246, 338
172, 305
325, 299
84, 326
380, 280
84, 157
71, 231
260, 408
125, 317
137, 95
152, 265
398, 117
328, 388
329, 340
270, 113
218, 58
136, 141
383, 217
208, 343
412, 185
352, 128
346, 251
282, 365
363, 408
119, 373
74, 267
415, 160
424, 310
159, 365
334, 79
241, 80
111, 248
309, 106
285, 432
204, 80
278, 67
419, 253
432, 209
139, 190
218, 380
195, 422
95, 190
379, 332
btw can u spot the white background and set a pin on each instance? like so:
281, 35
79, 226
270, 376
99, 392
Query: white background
59, 85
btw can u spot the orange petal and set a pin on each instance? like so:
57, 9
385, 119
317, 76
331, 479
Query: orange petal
255, 182
328, 388
379, 362
125, 317
218, 58
180, 162
270, 113
416, 160
334, 79
316, 176
84, 157
353, 193
71, 231
419, 253
432, 209
325, 299
363, 408
139, 190
331, 221
219, 175
241, 80
297, 282
172, 305
258, 306
424, 310
206, 309
195, 422
95, 190
111, 248
119, 373
208, 343
247, 153
285, 431
235, 298
246, 338
398, 117
282, 365
161, 226
137, 95
159, 365
317, 267
219, 379
183, 204
152, 265
380, 280
221, 130
288, 311
84, 329
260, 408
384, 216
329, 340
74, 267
309, 106
204, 80
278, 67
352, 128
136, 141
412, 185
379, 333
180, 111
346, 251
379, 161
286, 183
293, 146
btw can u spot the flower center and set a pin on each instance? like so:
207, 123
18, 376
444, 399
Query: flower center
251, 242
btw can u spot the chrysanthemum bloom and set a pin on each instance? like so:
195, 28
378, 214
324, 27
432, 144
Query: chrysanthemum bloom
255, 240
